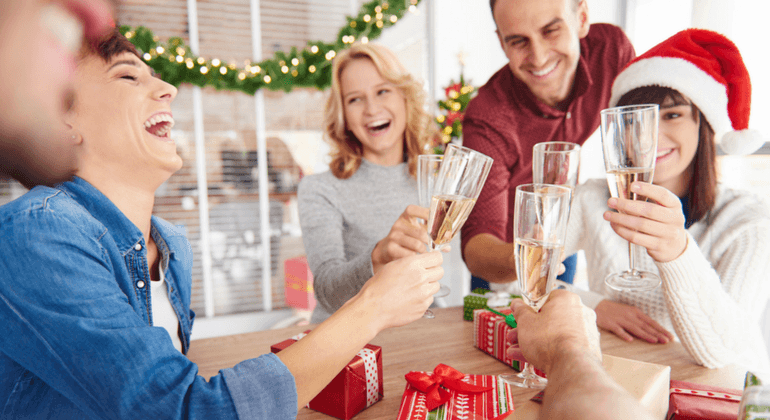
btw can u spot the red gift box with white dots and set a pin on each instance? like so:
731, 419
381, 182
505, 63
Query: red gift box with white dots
355, 388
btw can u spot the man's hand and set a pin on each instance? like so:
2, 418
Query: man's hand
563, 325
407, 237
628, 321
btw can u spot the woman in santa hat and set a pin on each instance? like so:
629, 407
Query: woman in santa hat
709, 243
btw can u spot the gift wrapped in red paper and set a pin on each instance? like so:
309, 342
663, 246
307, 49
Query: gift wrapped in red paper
447, 394
357, 387
689, 401
489, 335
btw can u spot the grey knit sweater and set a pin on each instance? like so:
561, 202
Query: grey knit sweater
342, 220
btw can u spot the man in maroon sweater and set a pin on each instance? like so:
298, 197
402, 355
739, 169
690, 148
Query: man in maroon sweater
557, 80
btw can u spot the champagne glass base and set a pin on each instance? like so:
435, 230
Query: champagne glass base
633, 280
428, 314
523, 380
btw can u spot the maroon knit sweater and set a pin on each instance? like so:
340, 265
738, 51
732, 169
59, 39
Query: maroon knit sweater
505, 120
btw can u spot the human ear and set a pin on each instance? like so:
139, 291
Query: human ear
582, 17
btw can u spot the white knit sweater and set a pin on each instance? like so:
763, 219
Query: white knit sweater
712, 296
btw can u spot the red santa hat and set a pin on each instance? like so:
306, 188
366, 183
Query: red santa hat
707, 68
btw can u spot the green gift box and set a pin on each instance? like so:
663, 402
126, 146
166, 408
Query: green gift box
478, 299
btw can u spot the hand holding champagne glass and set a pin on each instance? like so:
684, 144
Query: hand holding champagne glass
539, 231
630, 142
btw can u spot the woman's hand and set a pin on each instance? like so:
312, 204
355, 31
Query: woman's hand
628, 321
407, 237
403, 289
657, 226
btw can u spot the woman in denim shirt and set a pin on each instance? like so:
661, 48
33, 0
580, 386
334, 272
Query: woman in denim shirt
78, 260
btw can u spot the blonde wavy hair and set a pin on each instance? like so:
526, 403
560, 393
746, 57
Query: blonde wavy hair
347, 150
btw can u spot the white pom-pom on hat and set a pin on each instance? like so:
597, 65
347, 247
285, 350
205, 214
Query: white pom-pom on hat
707, 68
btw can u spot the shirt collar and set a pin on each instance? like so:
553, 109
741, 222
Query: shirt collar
122, 230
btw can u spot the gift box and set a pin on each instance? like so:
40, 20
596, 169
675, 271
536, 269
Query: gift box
647, 382
298, 284
490, 335
357, 387
447, 394
690, 401
481, 298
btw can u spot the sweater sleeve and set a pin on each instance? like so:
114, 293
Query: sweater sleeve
715, 309
335, 278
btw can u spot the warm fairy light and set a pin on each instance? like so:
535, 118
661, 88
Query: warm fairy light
440, 119
393, 18
241, 76
367, 18
353, 24
378, 16
215, 62
446, 139
284, 69
160, 49
171, 58
330, 55
223, 70
180, 51
201, 61
453, 94
294, 73
147, 57
295, 61
129, 35
378, 9
456, 106
448, 130
412, 9
267, 79
379, 24
255, 70
204, 70
179, 59
364, 40
189, 63
314, 49
311, 68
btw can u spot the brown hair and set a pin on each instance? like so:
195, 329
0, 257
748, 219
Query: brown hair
492, 4
108, 45
702, 189
347, 150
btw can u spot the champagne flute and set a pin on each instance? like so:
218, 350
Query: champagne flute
427, 169
556, 163
629, 142
539, 231
458, 184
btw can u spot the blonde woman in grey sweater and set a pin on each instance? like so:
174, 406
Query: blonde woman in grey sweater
363, 213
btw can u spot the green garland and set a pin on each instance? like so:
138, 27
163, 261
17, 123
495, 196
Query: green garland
311, 67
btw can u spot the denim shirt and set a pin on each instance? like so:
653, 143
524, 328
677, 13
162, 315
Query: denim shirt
77, 339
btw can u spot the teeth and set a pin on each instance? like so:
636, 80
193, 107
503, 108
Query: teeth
545, 71
159, 119
376, 123
64, 26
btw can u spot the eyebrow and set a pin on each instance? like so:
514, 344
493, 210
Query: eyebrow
134, 63
509, 38
355, 92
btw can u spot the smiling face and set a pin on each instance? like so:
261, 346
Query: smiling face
541, 39
122, 112
678, 139
39, 40
375, 112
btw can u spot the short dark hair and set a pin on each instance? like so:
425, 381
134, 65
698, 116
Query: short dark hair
492, 4
702, 190
108, 45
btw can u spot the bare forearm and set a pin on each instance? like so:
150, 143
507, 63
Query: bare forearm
490, 258
317, 358
578, 387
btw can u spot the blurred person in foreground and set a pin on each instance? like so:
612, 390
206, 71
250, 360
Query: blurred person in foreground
95, 297
562, 340
39, 40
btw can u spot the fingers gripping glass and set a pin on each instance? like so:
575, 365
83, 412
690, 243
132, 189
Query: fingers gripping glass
629, 143
427, 169
539, 231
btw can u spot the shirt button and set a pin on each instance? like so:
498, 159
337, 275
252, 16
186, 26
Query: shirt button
138, 247
140, 284
569, 115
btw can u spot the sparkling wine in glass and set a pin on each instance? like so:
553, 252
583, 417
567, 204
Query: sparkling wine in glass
458, 184
427, 169
630, 142
539, 231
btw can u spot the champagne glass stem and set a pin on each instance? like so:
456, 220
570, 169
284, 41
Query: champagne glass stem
631, 259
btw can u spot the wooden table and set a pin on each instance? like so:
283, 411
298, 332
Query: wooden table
446, 339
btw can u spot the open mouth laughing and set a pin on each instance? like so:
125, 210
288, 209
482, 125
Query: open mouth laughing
159, 125
545, 71
377, 127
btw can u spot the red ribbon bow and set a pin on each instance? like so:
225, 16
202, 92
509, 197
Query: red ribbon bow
439, 384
